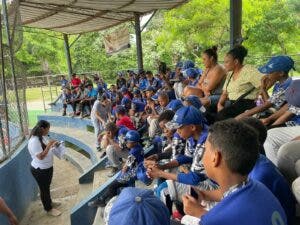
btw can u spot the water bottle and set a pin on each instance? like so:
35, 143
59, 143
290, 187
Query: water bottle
259, 101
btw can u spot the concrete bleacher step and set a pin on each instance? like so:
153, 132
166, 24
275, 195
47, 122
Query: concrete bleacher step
84, 191
100, 177
81, 162
87, 137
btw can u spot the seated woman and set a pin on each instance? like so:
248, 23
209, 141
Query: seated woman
241, 87
209, 87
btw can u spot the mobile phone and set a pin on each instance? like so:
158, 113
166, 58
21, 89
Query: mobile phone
193, 193
59, 143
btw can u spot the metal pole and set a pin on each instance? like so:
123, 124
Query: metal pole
11, 57
235, 22
68, 55
4, 98
139, 50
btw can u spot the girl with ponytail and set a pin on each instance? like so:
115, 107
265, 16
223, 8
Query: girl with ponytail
42, 163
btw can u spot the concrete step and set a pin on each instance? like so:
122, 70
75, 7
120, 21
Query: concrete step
84, 191
84, 136
80, 161
64, 188
100, 177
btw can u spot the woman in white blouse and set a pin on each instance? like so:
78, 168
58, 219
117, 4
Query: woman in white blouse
42, 163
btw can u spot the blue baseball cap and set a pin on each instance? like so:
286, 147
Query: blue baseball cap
136, 91
150, 88
194, 100
188, 64
292, 94
278, 63
132, 136
179, 65
192, 72
120, 109
187, 115
138, 207
125, 101
124, 89
174, 105
154, 97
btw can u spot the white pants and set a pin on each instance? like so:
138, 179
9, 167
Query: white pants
114, 155
276, 138
98, 128
288, 157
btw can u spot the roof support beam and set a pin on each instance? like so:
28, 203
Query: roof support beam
139, 50
68, 55
235, 22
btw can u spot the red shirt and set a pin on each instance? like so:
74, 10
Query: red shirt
75, 82
126, 121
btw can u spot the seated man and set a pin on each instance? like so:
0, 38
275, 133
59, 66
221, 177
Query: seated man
231, 151
88, 100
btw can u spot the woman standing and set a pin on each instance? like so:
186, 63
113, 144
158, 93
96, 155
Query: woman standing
42, 164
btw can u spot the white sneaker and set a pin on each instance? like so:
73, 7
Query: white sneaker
55, 204
54, 212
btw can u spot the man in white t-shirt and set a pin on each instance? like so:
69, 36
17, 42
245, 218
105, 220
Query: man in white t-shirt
100, 115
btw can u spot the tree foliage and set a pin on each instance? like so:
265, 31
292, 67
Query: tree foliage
270, 26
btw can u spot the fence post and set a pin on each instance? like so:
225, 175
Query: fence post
4, 97
11, 57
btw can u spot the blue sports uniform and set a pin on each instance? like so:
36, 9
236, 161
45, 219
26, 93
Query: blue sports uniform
266, 172
251, 204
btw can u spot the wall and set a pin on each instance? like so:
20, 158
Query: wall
17, 186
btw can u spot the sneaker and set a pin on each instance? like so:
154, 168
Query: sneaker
103, 155
54, 212
64, 113
113, 171
108, 165
100, 202
55, 204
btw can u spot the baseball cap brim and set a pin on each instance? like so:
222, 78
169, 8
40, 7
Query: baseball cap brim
172, 125
265, 69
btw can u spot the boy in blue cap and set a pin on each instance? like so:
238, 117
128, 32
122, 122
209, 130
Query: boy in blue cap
289, 114
231, 151
129, 171
136, 206
190, 125
276, 70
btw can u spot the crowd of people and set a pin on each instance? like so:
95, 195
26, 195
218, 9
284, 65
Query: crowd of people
220, 147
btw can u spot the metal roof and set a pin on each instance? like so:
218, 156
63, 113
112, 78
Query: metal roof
80, 16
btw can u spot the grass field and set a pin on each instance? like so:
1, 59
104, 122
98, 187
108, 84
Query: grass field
32, 116
35, 94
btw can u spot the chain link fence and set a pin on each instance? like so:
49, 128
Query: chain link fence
13, 111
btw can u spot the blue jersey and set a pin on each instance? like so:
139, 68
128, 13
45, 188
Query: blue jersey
266, 172
142, 84
138, 105
92, 93
252, 204
120, 137
278, 95
197, 176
